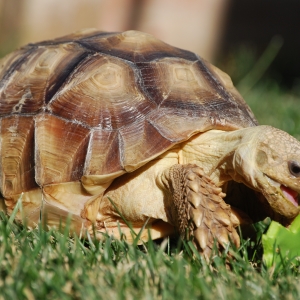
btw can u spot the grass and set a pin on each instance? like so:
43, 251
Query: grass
277, 107
38, 264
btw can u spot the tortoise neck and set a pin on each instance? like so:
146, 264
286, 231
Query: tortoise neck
215, 151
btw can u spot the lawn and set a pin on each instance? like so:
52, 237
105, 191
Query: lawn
38, 264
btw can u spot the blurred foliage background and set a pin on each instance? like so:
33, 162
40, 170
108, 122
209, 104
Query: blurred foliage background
255, 41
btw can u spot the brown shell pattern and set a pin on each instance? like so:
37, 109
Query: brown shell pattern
95, 103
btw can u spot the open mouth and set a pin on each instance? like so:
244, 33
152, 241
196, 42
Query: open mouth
290, 195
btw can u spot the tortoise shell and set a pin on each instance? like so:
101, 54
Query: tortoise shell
98, 103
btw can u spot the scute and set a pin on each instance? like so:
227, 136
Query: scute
17, 155
178, 79
103, 91
36, 76
104, 154
142, 141
61, 148
96, 104
134, 46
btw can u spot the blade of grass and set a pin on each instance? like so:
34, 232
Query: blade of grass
120, 214
12, 217
263, 63
135, 236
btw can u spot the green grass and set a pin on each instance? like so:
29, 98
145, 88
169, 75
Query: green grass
274, 106
38, 264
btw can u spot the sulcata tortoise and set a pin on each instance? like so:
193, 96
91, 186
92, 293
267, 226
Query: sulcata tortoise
109, 128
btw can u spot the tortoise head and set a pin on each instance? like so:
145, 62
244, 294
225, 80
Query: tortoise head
269, 161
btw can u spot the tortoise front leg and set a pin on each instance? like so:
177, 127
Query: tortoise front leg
199, 209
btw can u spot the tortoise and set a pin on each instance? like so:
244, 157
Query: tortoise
110, 128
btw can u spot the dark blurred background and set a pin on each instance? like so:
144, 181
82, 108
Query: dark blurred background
253, 23
233, 34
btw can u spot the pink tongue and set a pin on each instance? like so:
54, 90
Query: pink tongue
290, 194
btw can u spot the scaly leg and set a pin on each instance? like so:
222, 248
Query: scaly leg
199, 209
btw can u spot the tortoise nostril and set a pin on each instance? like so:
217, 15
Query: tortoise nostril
294, 168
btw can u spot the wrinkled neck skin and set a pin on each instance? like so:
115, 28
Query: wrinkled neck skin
223, 155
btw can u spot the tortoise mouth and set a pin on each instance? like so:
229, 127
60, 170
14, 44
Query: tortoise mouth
290, 195
286, 192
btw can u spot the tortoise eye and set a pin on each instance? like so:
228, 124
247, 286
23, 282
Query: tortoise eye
294, 168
